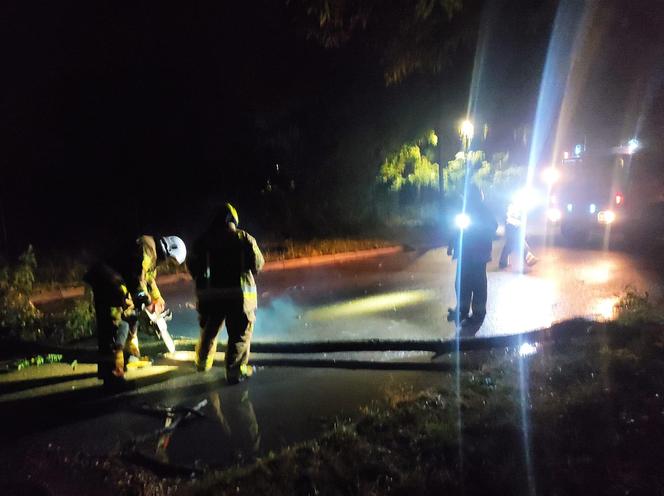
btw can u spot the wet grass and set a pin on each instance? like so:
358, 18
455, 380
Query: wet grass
593, 411
589, 420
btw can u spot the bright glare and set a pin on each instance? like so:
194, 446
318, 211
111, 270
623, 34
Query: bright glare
606, 217
526, 198
462, 221
596, 274
593, 208
570, 207
188, 356
633, 145
527, 349
554, 214
467, 130
550, 175
605, 308
181, 356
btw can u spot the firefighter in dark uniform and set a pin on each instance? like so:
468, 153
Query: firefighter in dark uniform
471, 246
121, 285
223, 262
513, 222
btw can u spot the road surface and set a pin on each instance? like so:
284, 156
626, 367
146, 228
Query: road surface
407, 295
395, 297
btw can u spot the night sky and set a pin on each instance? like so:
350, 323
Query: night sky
122, 118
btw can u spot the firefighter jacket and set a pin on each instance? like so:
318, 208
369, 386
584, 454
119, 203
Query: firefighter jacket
132, 269
223, 263
473, 244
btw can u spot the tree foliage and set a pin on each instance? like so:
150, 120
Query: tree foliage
409, 35
497, 177
17, 313
412, 164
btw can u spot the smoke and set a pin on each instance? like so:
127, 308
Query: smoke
278, 320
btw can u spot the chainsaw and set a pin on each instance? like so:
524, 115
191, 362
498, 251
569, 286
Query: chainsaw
158, 322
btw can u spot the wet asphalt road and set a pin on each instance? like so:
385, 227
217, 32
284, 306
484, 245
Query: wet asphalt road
407, 295
395, 297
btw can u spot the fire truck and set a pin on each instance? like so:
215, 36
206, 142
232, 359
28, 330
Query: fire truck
609, 192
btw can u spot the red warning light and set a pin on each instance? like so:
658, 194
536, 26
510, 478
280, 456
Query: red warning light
619, 199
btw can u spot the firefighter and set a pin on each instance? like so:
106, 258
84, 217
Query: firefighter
470, 246
121, 286
512, 234
223, 263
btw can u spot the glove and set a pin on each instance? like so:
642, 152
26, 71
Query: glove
142, 299
157, 306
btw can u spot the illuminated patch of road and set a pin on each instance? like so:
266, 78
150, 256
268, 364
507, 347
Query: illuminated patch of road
371, 304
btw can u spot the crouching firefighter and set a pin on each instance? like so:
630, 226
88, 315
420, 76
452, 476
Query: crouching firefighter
122, 285
223, 262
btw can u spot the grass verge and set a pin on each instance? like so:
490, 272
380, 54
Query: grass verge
584, 414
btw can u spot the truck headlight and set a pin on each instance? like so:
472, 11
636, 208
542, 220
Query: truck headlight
606, 217
554, 214
550, 175
526, 199
462, 221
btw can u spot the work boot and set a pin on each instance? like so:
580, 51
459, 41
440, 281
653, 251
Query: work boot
204, 355
118, 364
452, 315
134, 362
132, 346
237, 375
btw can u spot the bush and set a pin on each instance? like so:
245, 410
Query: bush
20, 319
637, 308
74, 322
18, 316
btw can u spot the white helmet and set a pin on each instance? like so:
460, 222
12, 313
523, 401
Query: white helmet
174, 248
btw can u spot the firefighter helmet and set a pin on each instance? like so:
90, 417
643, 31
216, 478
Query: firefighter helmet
174, 248
231, 214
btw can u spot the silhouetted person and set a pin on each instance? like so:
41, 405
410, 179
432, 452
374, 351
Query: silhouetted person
223, 263
122, 284
470, 246
513, 223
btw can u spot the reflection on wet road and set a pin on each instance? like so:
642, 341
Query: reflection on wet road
407, 295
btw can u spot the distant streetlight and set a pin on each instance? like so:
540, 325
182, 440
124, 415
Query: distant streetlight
466, 131
633, 145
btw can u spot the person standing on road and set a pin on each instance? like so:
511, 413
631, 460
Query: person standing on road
223, 263
121, 286
512, 234
471, 248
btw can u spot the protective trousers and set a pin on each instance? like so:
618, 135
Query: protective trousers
114, 333
239, 324
471, 288
512, 245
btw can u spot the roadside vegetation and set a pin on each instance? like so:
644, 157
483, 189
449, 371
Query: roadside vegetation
73, 319
582, 414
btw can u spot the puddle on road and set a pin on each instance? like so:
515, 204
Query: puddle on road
270, 412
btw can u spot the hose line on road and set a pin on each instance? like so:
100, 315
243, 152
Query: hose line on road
437, 346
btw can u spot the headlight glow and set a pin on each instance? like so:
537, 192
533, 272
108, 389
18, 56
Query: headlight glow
462, 221
606, 217
550, 175
554, 214
526, 199
527, 349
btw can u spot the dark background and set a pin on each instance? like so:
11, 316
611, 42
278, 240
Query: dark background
124, 118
